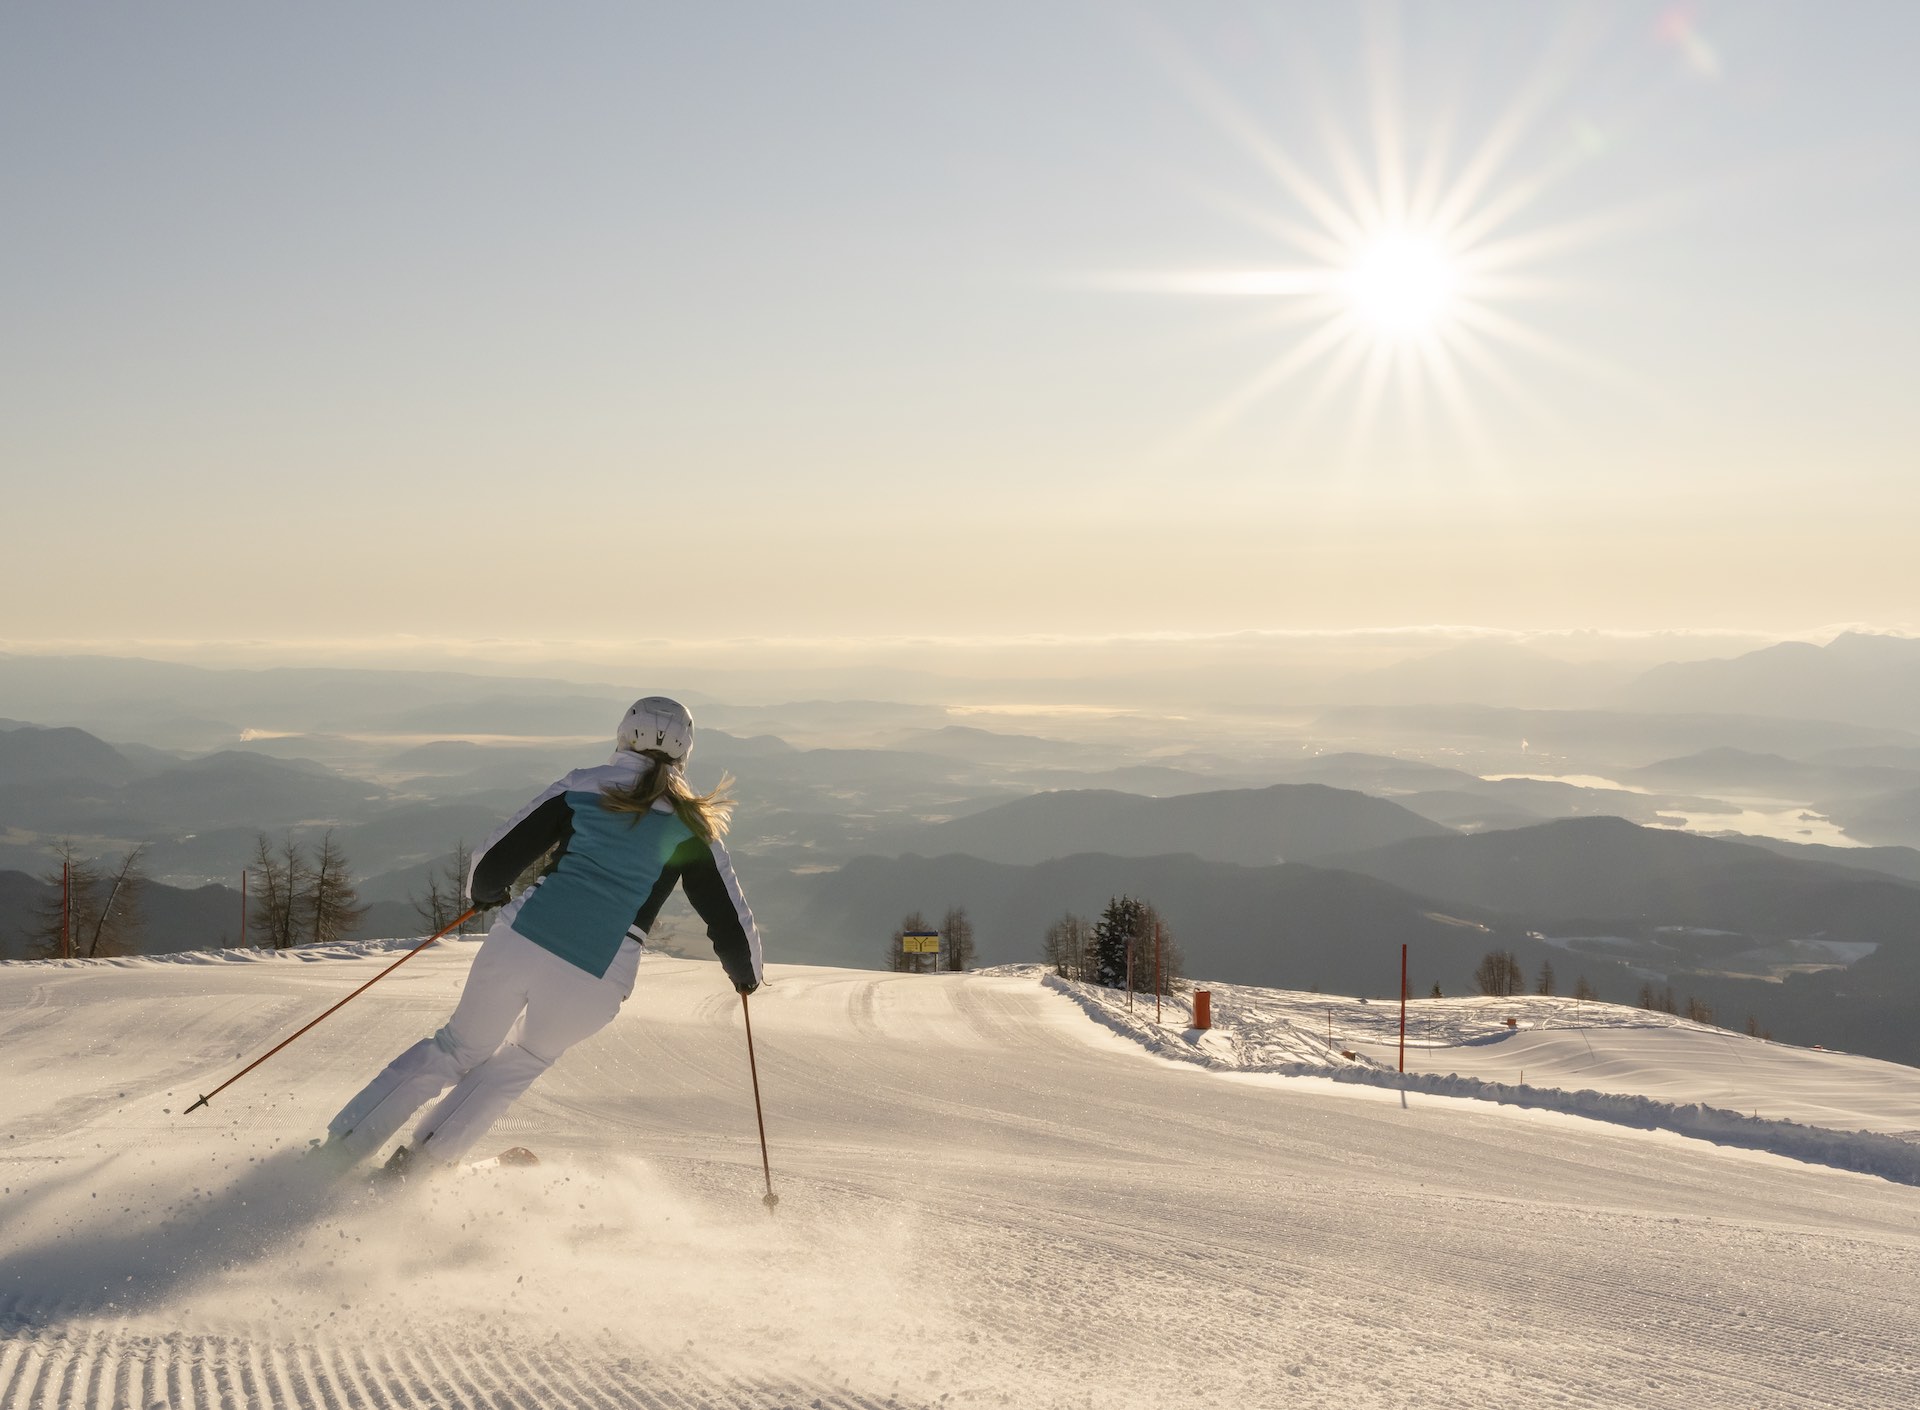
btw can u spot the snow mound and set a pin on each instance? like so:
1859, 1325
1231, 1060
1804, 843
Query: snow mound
1250, 1037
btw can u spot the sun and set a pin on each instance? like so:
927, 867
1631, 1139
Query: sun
1408, 266
1402, 284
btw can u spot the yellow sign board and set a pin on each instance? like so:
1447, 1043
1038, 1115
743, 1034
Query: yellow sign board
920, 942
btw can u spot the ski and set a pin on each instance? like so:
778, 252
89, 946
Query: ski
513, 1155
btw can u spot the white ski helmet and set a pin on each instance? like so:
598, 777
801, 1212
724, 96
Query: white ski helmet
657, 725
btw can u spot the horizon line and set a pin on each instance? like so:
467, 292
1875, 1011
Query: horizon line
508, 647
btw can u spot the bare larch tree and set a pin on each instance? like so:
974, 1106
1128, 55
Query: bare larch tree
330, 908
956, 940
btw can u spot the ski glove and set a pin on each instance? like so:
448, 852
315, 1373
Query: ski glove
748, 987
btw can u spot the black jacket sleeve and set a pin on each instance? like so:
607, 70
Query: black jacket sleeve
706, 875
546, 821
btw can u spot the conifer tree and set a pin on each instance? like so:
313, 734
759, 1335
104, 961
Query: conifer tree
1118, 928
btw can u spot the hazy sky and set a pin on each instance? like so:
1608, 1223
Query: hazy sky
608, 322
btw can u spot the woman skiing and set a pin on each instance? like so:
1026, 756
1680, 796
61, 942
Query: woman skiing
563, 954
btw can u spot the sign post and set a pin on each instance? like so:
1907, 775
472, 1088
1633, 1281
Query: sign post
921, 942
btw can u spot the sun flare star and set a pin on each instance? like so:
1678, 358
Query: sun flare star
1407, 268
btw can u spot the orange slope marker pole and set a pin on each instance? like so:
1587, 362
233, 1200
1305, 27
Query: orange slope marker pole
330, 1012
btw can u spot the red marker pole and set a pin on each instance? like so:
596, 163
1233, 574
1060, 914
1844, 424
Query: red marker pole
66, 910
243, 908
1403, 1008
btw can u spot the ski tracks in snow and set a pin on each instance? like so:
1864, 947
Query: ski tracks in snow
121, 1367
987, 1201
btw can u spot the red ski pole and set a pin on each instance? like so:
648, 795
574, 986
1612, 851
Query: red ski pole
770, 1199
335, 1009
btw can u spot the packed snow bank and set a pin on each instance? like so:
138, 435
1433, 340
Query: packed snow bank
233, 954
1248, 1037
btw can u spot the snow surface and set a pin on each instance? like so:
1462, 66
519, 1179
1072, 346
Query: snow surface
1602, 1061
987, 1199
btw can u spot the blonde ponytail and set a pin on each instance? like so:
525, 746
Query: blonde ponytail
705, 814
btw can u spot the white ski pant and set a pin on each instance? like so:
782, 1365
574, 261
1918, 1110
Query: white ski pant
523, 1006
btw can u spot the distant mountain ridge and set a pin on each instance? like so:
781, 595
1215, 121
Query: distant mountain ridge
66, 781
1743, 771
1858, 677
1250, 826
1603, 739
43, 754
1605, 869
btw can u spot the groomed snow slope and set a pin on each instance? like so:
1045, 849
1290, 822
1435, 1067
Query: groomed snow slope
987, 1200
1604, 1061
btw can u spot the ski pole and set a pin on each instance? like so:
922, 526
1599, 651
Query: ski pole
770, 1199
336, 1008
